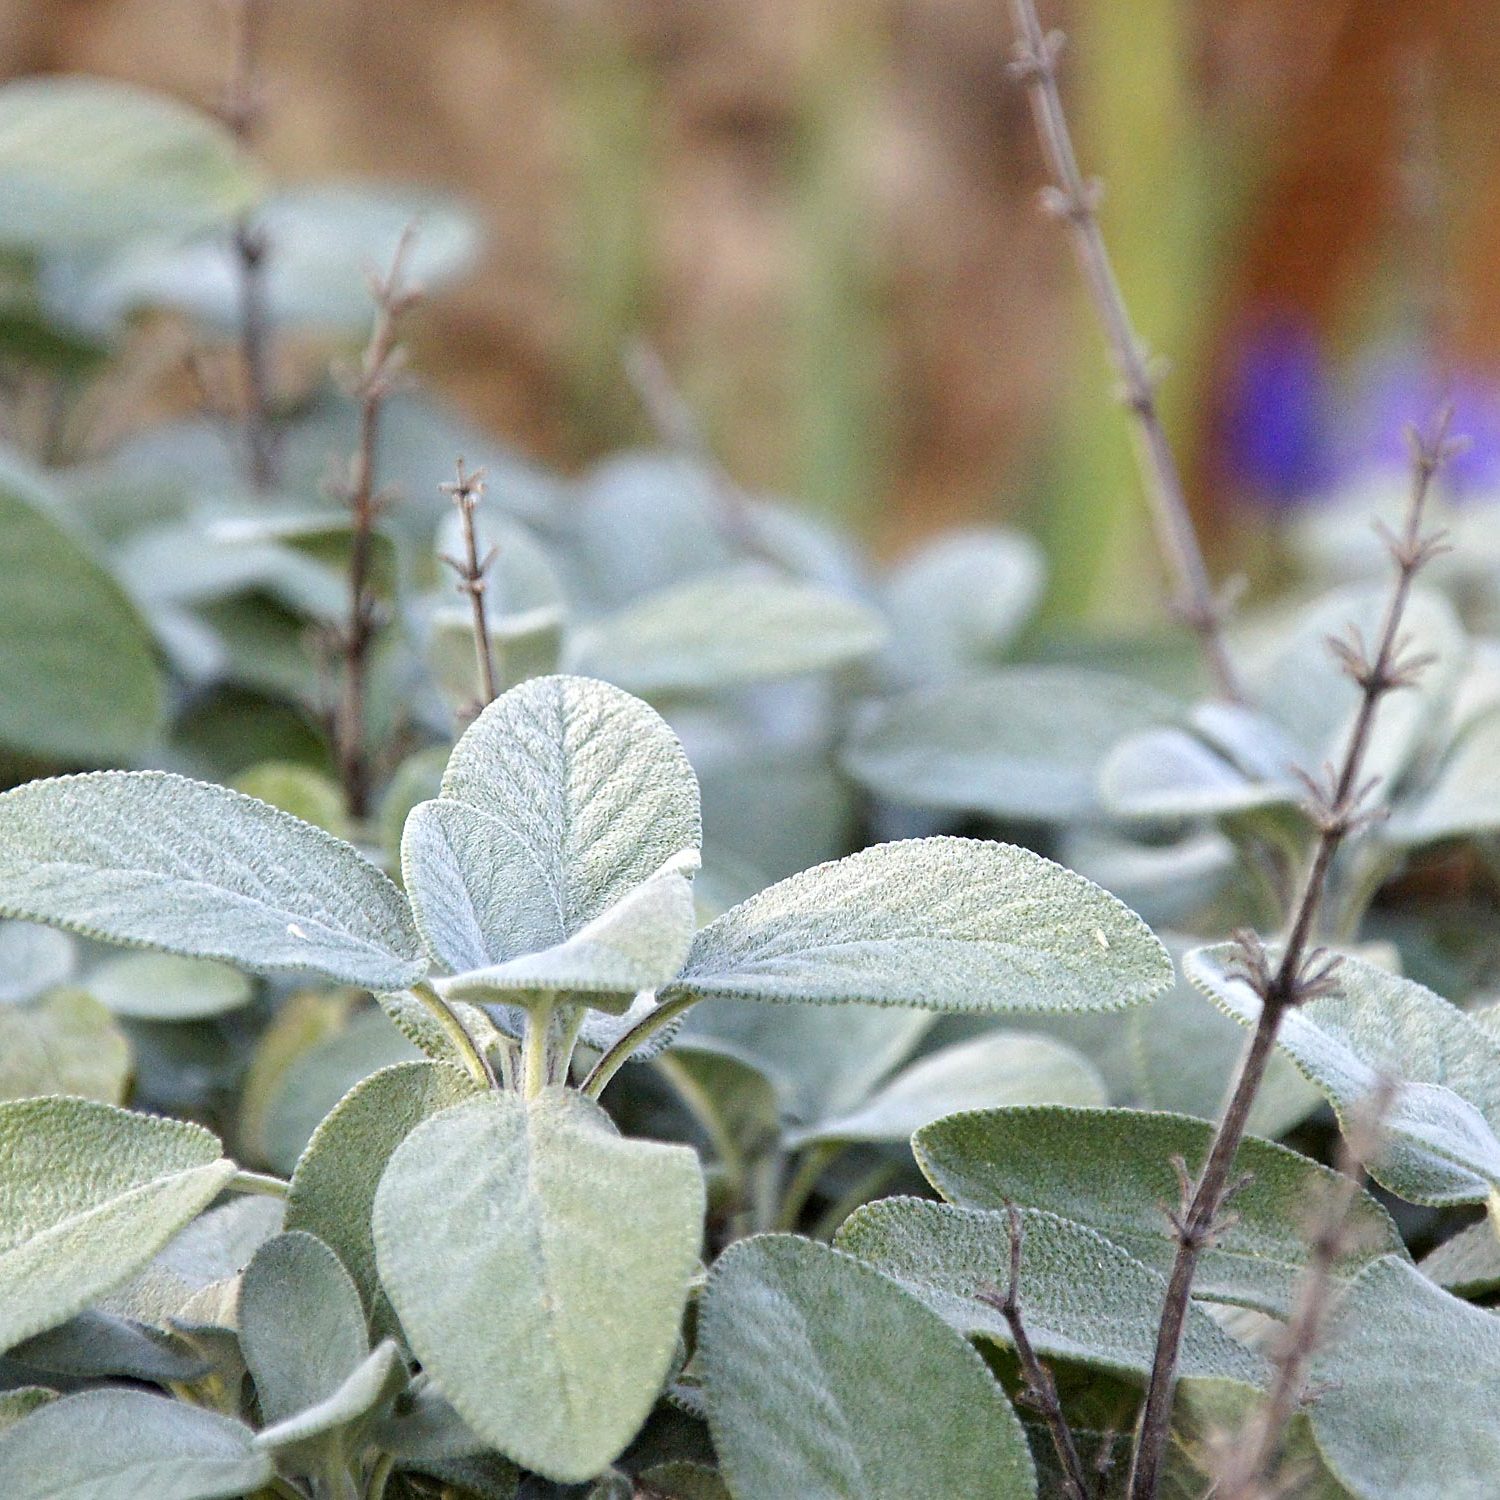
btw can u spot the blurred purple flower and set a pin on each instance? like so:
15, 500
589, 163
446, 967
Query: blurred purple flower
1400, 389
1276, 413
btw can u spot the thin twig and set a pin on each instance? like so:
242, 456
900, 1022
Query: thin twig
379, 369
1338, 807
466, 492
1040, 1392
242, 109
1247, 1471
1075, 201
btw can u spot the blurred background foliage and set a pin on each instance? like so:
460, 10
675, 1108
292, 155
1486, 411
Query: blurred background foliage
822, 212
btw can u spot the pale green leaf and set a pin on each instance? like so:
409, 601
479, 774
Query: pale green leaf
98, 1344
1407, 1386
1463, 798
20, 1401
109, 1445
323, 238
1439, 1143
65, 1043
302, 1328
1021, 742
371, 1384
85, 161
539, 1264
986, 1072
33, 960
722, 630
333, 1188
158, 861
957, 602
1111, 1170
1468, 1263
78, 672
301, 790
827, 1381
164, 987
1086, 1299
573, 794
938, 923
88, 1194
1168, 773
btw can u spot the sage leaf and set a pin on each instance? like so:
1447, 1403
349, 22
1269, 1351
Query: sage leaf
33, 960
88, 161
97, 1343
1467, 1263
1020, 742
62, 702
1086, 1299
1409, 1380
1004, 1067
88, 1194
156, 860
810, 1361
164, 987
302, 1327
333, 1188
1439, 1142
574, 794
957, 603
370, 1385
723, 630
1463, 797
1168, 773
63, 1044
117, 1443
1111, 1169
539, 1264
938, 923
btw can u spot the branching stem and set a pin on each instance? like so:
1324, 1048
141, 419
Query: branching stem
379, 369
1075, 200
1301, 972
467, 490
457, 1033
1041, 1389
260, 1184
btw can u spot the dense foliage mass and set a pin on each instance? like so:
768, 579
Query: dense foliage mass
718, 1066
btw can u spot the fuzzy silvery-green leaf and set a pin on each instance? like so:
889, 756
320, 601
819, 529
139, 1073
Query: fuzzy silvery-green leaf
65, 1043
986, 1072
638, 943
1463, 798
828, 1381
20, 1401
86, 161
1086, 1299
33, 960
723, 630
1022, 742
100, 1445
316, 1079
1439, 1141
957, 602
1467, 1263
333, 1188
97, 1343
423, 1424
88, 1194
1408, 1381
78, 672
325, 238
539, 1264
822, 1061
560, 799
1111, 1170
159, 861
1167, 773
215, 1247
1305, 691
301, 790
165, 987
302, 1327
371, 1384
940, 924
1168, 884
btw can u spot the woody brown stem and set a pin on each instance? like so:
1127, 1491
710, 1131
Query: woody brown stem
467, 491
1074, 200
